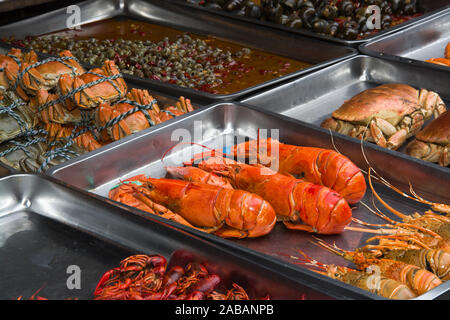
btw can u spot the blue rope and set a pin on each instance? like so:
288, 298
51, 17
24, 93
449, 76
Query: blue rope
39, 63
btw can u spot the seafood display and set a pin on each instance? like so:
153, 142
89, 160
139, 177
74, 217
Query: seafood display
433, 142
411, 257
165, 54
269, 195
146, 277
385, 287
445, 61
341, 19
53, 109
264, 195
387, 115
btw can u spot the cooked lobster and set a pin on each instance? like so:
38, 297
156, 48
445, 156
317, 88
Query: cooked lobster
299, 204
316, 165
226, 212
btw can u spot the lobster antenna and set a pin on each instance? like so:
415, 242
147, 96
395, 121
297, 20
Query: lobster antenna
332, 141
308, 261
397, 213
378, 177
401, 237
436, 206
332, 248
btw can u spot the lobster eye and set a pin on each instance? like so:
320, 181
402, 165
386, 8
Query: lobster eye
237, 169
150, 186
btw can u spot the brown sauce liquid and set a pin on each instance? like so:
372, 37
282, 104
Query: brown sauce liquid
251, 70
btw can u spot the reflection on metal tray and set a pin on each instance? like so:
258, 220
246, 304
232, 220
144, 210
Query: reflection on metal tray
313, 98
317, 52
414, 45
45, 227
429, 7
222, 125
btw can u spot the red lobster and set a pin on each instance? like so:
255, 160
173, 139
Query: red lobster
300, 205
316, 165
224, 211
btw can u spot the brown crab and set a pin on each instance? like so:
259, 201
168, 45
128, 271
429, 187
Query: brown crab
9, 68
85, 141
138, 120
433, 142
46, 76
392, 113
25, 159
19, 118
54, 112
93, 94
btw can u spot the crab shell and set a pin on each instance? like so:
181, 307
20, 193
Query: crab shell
392, 112
85, 141
93, 95
132, 123
54, 113
26, 160
129, 125
433, 142
390, 102
46, 76
10, 69
10, 127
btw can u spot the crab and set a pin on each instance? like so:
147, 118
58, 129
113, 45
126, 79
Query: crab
9, 68
133, 123
25, 159
58, 132
391, 112
54, 112
139, 120
46, 76
93, 94
18, 119
433, 142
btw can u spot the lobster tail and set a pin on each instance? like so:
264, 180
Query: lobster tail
340, 174
246, 212
320, 208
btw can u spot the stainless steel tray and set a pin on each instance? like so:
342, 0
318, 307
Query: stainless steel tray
46, 226
317, 52
99, 172
313, 98
413, 45
429, 7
